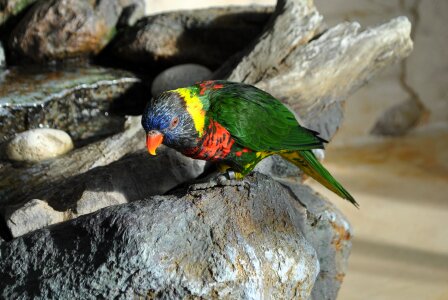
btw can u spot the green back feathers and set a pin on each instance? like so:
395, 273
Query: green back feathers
257, 120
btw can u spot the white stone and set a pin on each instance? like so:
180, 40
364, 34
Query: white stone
38, 144
33, 215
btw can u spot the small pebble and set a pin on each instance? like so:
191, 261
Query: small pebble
38, 144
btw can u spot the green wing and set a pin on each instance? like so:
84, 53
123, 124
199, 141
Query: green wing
258, 121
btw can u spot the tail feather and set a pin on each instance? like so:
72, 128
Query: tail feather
309, 164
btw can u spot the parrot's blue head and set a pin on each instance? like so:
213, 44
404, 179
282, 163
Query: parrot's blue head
166, 120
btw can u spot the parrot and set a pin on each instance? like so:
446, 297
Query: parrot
234, 125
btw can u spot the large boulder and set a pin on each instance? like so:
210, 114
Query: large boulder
227, 242
61, 29
207, 36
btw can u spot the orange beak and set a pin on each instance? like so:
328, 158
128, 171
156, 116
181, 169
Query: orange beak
153, 140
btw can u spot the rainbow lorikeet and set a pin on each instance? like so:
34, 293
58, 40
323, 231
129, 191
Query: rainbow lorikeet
235, 125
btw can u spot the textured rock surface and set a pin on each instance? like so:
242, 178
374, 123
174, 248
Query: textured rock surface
330, 234
222, 242
179, 76
132, 178
9, 8
74, 99
61, 29
38, 144
33, 215
206, 37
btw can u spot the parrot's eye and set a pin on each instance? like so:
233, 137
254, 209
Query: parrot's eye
174, 123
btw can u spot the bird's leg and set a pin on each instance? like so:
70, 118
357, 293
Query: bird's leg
228, 178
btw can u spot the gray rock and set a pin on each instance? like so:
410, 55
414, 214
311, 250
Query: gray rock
61, 29
207, 36
219, 243
10, 8
277, 167
33, 215
38, 144
399, 119
132, 178
179, 76
330, 234
77, 100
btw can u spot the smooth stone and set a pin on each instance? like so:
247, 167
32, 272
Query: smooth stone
38, 144
179, 76
34, 215
62, 29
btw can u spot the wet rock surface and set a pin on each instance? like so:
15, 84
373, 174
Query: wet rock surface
179, 76
218, 243
206, 37
38, 144
77, 100
61, 29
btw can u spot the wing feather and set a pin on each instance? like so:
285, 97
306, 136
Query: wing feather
257, 120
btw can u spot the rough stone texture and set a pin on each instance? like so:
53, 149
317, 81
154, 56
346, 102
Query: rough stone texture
179, 76
61, 29
10, 8
207, 37
330, 234
331, 67
132, 178
77, 100
33, 215
219, 243
38, 144
418, 81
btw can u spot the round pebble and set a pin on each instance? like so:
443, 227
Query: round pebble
179, 76
38, 144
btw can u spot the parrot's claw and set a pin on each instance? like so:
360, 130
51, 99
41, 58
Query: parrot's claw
227, 179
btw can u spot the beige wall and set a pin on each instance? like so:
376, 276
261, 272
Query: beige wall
156, 6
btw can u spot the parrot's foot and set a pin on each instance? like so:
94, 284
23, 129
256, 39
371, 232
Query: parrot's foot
218, 179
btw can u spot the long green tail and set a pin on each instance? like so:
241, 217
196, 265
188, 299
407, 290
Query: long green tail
309, 164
